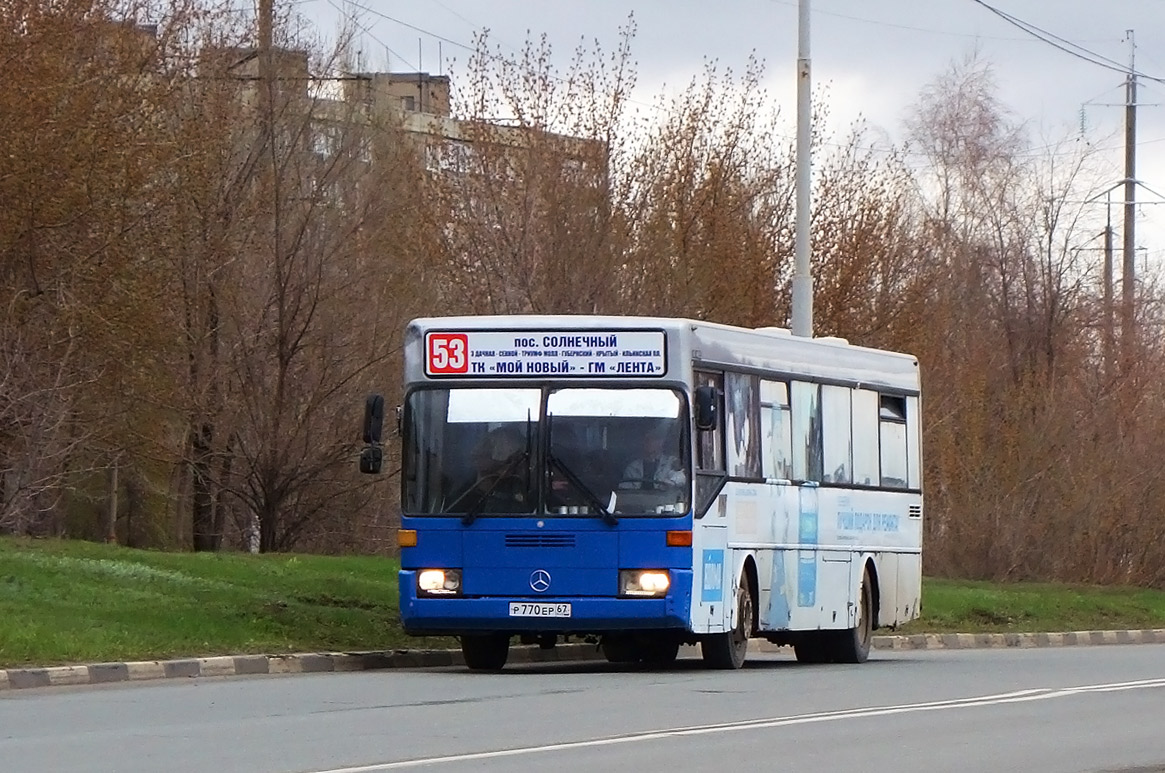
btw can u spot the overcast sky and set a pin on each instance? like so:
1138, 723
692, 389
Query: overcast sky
874, 55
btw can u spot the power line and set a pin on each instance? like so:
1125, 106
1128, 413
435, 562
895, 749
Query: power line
497, 57
413, 27
368, 31
476, 27
1029, 153
1054, 40
817, 10
1067, 46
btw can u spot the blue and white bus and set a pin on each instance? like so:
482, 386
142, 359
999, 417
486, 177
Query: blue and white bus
647, 482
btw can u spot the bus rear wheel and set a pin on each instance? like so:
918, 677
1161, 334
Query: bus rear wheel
728, 650
485, 652
853, 645
813, 647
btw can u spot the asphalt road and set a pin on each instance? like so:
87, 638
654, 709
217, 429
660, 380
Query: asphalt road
1031, 710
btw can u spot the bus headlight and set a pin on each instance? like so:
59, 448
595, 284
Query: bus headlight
644, 582
439, 582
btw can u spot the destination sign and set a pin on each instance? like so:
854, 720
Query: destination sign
555, 353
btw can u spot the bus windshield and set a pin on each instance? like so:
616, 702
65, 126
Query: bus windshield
567, 451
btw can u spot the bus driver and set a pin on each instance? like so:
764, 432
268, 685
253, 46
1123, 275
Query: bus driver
654, 469
497, 483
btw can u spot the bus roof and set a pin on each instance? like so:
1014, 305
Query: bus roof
711, 345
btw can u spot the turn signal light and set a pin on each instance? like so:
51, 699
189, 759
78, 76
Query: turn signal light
406, 538
679, 539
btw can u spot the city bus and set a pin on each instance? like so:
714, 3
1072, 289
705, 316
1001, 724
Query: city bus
642, 483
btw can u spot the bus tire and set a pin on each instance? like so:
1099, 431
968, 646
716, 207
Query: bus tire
485, 652
813, 647
853, 645
729, 650
660, 650
620, 649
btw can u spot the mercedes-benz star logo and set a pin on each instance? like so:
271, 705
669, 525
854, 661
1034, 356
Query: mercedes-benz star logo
540, 580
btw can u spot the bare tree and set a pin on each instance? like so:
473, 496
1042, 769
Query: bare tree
1026, 431
77, 149
521, 207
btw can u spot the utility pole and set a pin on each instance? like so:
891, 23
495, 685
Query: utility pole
266, 35
1109, 336
802, 280
268, 172
266, 22
1128, 269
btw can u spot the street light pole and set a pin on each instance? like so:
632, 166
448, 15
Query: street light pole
802, 280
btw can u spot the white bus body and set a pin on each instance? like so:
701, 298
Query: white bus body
805, 496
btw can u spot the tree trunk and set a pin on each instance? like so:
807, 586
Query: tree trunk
267, 531
202, 495
218, 518
111, 504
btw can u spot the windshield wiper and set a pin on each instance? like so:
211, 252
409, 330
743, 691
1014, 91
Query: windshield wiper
506, 473
592, 499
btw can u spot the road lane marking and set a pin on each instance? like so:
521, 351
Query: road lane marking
1019, 696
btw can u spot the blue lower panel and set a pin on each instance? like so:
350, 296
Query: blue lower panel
588, 613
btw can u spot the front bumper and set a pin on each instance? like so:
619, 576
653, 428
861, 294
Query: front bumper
589, 614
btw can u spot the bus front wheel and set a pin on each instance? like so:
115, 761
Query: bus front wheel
620, 649
660, 650
485, 652
728, 650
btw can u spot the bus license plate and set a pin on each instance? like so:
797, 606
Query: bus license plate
529, 609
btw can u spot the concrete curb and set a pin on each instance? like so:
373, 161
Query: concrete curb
955, 641
246, 665
321, 662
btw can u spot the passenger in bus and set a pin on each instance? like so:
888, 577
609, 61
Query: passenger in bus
654, 468
499, 476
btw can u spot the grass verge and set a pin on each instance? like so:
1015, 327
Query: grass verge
80, 602
965, 606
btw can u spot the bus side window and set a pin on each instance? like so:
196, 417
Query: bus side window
892, 434
867, 469
806, 406
913, 444
776, 430
742, 415
836, 440
710, 443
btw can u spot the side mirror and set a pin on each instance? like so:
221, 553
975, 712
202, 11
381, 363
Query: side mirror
373, 419
707, 413
371, 460
372, 457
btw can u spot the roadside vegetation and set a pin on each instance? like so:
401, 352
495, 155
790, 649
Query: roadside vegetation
958, 606
73, 602
208, 257
80, 602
